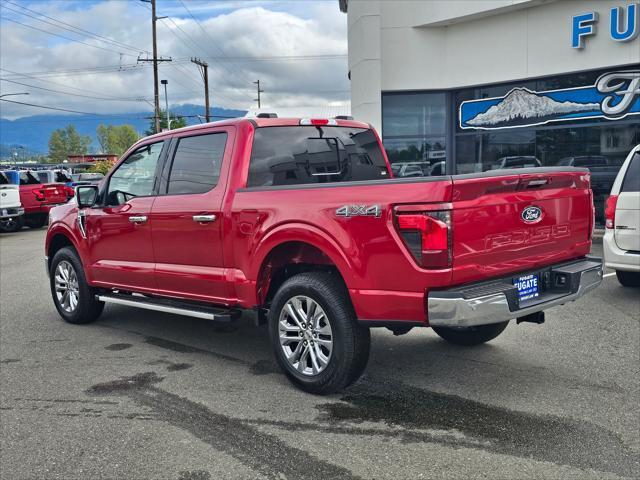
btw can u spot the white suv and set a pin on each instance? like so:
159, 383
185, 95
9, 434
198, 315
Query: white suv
622, 213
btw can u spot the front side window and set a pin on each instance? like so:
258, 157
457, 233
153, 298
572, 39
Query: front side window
135, 177
196, 164
313, 155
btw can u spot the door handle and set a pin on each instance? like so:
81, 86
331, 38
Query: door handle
138, 219
204, 218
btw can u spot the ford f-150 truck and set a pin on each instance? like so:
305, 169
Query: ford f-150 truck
37, 198
301, 221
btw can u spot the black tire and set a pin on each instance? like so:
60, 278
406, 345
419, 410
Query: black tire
350, 341
88, 308
628, 279
12, 224
471, 336
36, 221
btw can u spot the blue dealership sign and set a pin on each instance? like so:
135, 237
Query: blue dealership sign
614, 96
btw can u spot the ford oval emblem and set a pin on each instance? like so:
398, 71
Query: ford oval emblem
531, 214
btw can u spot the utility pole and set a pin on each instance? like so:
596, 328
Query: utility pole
155, 60
204, 71
257, 82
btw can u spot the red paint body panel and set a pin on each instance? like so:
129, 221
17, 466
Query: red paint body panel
51, 195
224, 262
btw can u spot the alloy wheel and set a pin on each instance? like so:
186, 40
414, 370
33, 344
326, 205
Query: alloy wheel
305, 334
66, 286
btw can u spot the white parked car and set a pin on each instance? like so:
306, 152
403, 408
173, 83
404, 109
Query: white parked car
622, 214
11, 211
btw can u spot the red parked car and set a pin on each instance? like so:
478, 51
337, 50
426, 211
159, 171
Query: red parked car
300, 221
38, 198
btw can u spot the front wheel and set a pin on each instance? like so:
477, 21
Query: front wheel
316, 338
73, 297
470, 336
11, 224
628, 279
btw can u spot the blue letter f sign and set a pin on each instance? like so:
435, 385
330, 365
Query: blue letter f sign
583, 25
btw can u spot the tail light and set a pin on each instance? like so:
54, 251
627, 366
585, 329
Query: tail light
39, 193
427, 235
610, 211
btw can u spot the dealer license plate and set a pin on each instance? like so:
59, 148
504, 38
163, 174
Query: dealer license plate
527, 287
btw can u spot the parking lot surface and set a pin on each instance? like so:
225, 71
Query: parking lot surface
141, 394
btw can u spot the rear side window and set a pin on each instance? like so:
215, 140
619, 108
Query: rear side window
314, 155
27, 178
4, 180
196, 164
631, 181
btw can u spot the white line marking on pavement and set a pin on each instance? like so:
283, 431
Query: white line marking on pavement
608, 274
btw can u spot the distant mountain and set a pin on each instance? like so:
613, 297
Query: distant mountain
521, 105
32, 133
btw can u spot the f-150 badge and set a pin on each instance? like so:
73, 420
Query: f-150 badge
359, 211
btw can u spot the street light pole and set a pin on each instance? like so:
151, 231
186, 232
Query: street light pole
9, 94
166, 103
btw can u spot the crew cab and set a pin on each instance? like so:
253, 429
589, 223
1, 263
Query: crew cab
38, 198
11, 210
301, 221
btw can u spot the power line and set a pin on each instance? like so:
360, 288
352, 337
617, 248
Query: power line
49, 82
213, 42
58, 109
66, 38
132, 99
71, 28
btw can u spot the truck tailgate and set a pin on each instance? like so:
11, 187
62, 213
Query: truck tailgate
514, 221
54, 193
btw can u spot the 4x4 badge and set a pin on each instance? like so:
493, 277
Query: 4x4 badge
359, 211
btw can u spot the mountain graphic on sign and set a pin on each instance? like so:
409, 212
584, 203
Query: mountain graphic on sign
522, 106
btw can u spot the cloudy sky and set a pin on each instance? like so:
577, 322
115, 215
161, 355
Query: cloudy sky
82, 54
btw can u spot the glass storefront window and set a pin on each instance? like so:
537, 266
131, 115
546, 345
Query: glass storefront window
601, 149
414, 127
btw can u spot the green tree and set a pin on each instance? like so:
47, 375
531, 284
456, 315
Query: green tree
101, 166
176, 122
67, 141
116, 139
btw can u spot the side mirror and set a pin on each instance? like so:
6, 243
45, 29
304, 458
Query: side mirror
86, 195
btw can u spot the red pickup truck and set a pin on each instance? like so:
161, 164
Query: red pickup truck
38, 198
301, 221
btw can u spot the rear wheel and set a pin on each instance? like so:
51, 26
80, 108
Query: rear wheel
470, 336
316, 338
12, 224
73, 297
36, 221
628, 279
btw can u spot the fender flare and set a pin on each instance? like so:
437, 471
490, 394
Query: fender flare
304, 233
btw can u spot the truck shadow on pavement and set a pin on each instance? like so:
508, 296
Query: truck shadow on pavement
395, 409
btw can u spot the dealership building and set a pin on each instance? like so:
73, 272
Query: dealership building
461, 86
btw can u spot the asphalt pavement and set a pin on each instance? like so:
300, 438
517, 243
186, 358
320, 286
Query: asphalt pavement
145, 395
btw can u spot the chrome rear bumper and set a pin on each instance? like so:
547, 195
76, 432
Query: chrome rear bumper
496, 301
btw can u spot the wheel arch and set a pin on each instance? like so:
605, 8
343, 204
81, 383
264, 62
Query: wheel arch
57, 239
294, 250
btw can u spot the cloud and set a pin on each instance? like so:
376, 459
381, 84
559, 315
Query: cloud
233, 37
